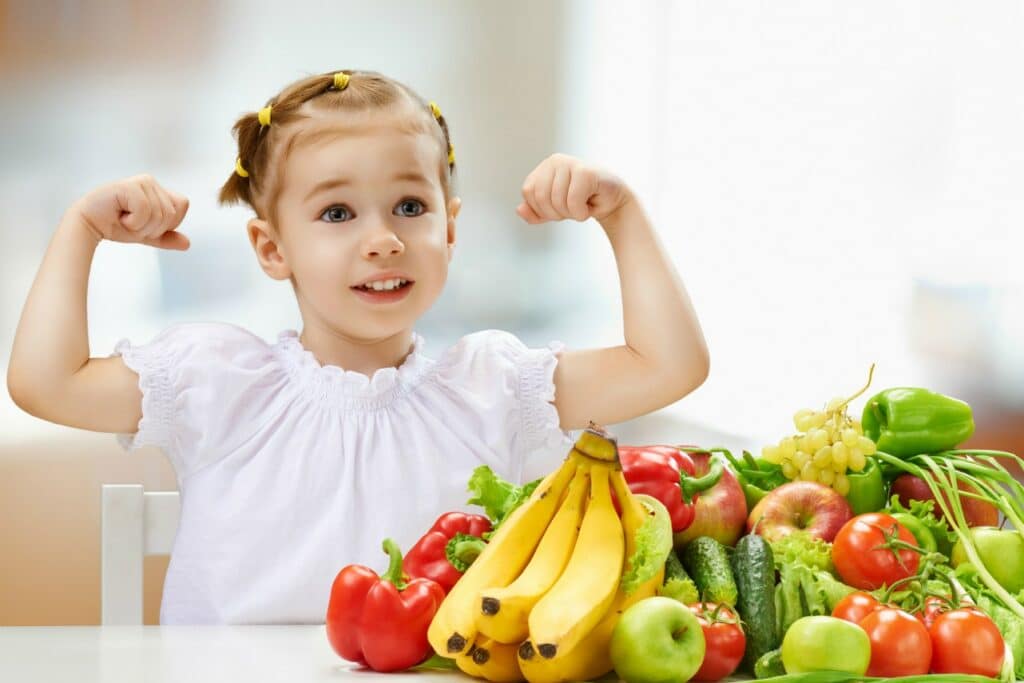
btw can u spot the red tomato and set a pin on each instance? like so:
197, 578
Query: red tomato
966, 641
723, 638
861, 557
900, 644
855, 606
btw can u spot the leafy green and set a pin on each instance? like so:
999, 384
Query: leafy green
802, 547
678, 585
1009, 624
924, 510
653, 545
496, 496
806, 591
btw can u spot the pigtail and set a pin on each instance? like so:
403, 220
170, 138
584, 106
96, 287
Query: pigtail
238, 187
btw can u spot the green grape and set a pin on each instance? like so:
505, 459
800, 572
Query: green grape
856, 460
826, 476
850, 437
789, 471
823, 457
841, 484
772, 454
802, 420
809, 472
840, 453
857, 427
818, 420
800, 459
866, 445
834, 404
788, 447
819, 439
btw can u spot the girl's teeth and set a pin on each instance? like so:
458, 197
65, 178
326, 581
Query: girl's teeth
382, 285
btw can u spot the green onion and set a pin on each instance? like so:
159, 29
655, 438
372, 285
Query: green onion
942, 480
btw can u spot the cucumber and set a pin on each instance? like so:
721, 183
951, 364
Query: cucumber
707, 561
677, 584
770, 664
753, 565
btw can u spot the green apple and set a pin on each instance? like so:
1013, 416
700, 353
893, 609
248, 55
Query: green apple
657, 640
1002, 552
825, 644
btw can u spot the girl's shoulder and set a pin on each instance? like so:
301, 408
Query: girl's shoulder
492, 349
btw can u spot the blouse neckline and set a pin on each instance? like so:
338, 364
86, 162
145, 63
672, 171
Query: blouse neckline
350, 387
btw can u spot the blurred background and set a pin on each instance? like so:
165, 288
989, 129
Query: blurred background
839, 184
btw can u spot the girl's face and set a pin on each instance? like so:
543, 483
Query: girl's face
362, 202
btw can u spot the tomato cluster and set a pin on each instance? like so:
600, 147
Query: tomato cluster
940, 640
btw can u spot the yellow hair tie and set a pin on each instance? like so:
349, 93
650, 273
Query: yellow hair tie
435, 110
451, 154
264, 116
340, 80
239, 169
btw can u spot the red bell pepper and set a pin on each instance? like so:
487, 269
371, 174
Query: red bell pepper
381, 622
447, 549
666, 473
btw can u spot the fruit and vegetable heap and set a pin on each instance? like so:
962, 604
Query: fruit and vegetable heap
852, 550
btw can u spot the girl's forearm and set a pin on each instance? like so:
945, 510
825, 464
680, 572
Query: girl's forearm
659, 322
52, 340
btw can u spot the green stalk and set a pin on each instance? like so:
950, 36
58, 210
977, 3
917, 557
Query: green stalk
994, 470
953, 511
995, 493
963, 533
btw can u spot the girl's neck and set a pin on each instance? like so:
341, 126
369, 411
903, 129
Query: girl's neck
330, 347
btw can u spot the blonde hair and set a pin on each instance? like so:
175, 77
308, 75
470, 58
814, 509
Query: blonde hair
360, 91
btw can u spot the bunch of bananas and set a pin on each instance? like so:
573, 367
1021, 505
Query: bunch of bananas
541, 600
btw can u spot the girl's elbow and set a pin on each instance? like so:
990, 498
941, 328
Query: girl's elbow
696, 373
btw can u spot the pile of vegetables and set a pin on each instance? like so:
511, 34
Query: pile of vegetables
910, 576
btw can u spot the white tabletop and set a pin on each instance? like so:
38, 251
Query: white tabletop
220, 654
192, 654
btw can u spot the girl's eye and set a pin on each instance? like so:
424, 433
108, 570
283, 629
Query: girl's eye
413, 205
336, 214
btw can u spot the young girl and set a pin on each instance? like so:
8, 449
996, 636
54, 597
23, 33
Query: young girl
298, 456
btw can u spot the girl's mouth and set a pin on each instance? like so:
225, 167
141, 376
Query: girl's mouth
384, 296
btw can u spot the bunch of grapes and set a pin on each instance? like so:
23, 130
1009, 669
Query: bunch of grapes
829, 444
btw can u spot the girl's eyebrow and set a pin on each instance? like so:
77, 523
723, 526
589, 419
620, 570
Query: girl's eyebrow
332, 183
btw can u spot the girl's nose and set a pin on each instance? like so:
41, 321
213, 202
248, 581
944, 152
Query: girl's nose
382, 241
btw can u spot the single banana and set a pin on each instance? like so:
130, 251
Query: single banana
491, 660
453, 628
585, 590
590, 659
503, 611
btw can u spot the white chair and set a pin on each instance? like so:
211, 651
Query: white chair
135, 524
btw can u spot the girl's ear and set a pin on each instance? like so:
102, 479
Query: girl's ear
268, 252
454, 206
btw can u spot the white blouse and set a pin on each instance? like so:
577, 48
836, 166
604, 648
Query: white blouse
289, 470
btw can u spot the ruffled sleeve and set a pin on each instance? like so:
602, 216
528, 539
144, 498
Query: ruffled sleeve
516, 390
197, 382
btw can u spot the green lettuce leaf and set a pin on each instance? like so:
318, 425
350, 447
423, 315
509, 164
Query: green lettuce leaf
801, 547
653, 545
496, 496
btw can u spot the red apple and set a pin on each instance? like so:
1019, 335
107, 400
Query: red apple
976, 512
800, 505
721, 510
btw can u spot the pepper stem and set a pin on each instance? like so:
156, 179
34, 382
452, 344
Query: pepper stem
394, 572
462, 549
690, 486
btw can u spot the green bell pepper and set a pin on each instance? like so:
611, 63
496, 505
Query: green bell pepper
756, 476
906, 421
867, 488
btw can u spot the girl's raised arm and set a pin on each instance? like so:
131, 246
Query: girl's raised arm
50, 374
